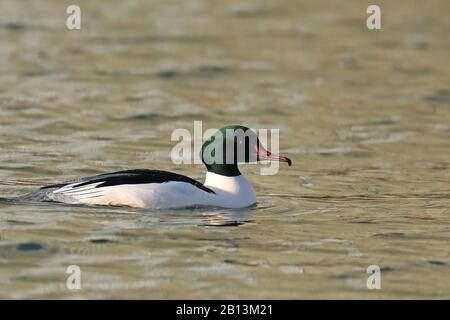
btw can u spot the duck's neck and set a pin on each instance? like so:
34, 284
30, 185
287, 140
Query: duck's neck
228, 170
235, 184
231, 191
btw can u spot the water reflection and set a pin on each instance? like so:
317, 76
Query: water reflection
205, 217
229, 218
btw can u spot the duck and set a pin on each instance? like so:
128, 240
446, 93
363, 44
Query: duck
224, 185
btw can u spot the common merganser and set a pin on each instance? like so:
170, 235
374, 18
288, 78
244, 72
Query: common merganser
224, 185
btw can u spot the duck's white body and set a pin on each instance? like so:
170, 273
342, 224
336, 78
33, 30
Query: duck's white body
228, 192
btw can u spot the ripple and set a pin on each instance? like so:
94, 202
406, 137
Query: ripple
438, 96
100, 241
29, 246
390, 235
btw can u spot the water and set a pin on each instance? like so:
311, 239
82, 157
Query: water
363, 114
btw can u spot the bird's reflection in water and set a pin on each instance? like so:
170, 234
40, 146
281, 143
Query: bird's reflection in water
226, 217
202, 217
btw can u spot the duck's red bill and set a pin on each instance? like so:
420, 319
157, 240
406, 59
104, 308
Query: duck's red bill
267, 155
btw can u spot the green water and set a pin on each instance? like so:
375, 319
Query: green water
365, 116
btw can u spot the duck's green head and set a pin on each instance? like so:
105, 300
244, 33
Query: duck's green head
231, 145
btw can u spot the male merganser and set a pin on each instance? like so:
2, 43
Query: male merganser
224, 185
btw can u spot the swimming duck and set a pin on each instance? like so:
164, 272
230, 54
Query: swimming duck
224, 185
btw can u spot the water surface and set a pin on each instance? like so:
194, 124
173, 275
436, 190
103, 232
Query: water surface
364, 115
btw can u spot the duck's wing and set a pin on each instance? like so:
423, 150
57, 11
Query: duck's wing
92, 186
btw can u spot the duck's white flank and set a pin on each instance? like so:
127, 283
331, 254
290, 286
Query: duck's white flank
230, 192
